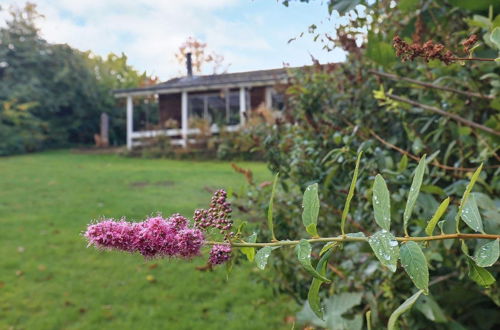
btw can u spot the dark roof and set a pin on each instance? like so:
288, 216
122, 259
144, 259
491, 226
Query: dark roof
215, 80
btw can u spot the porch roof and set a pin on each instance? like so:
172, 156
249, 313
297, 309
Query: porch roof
205, 82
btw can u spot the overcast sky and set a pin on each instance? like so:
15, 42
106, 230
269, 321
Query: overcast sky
250, 34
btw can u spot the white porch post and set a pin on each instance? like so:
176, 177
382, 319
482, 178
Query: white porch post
130, 119
243, 106
184, 119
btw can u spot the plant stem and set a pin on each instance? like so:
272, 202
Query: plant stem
361, 239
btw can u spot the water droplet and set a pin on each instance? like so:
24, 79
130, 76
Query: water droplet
393, 243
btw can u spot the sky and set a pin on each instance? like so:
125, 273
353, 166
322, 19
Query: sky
250, 34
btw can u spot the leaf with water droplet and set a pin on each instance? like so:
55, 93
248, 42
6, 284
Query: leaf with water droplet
304, 250
310, 203
480, 275
313, 294
415, 265
435, 218
381, 203
487, 254
404, 307
328, 246
470, 215
250, 251
414, 191
350, 195
262, 256
386, 252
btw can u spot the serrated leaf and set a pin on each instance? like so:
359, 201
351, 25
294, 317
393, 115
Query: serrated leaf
250, 251
437, 215
270, 209
414, 191
310, 203
350, 194
466, 194
470, 215
262, 256
415, 265
313, 294
381, 203
386, 248
487, 254
480, 275
404, 307
304, 250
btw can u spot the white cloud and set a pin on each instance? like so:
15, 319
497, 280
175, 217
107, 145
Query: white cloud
150, 31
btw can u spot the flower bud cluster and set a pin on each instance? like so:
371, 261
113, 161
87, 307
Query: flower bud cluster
220, 254
154, 237
217, 216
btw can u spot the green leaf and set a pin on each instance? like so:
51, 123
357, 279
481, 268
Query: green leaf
304, 250
466, 194
408, 5
470, 215
250, 251
350, 194
379, 51
403, 163
415, 265
339, 304
270, 209
480, 275
430, 308
495, 37
404, 307
487, 254
262, 255
414, 191
313, 294
386, 248
381, 203
310, 203
328, 246
435, 218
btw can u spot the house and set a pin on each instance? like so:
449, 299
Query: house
221, 99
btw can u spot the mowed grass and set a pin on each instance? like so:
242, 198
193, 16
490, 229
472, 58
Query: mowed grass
50, 280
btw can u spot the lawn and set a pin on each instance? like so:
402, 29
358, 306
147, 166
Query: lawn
50, 280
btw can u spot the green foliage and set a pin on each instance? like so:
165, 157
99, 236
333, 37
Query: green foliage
413, 194
313, 295
386, 248
310, 204
304, 250
262, 256
381, 203
406, 306
414, 262
350, 194
270, 209
67, 89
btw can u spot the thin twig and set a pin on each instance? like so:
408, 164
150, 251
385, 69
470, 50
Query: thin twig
429, 85
361, 239
473, 59
445, 113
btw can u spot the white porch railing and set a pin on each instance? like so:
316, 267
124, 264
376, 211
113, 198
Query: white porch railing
177, 138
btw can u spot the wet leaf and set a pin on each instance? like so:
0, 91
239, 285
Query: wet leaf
470, 215
313, 294
270, 209
466, 194
250, 251
480, 275
415, 265
487, 254
262, 256
310, 213
381, 203
304, 250
386, 248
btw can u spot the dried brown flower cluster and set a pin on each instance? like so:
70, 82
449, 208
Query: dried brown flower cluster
429, 51
469, 42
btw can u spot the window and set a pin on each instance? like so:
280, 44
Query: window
277, 101
216, 108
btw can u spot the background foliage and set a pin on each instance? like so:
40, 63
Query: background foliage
335, 111
52, 95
